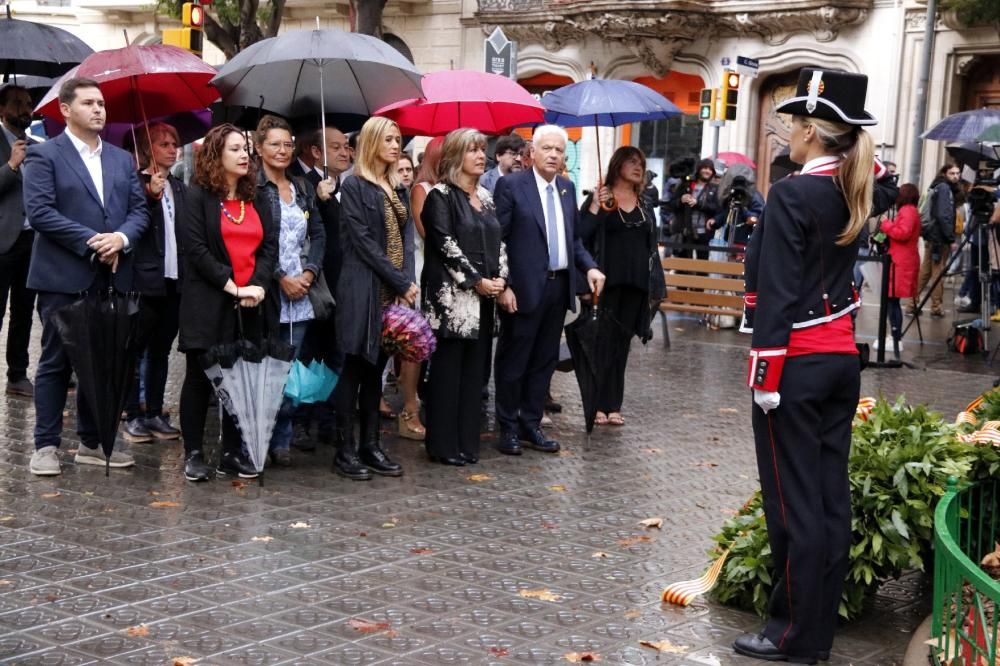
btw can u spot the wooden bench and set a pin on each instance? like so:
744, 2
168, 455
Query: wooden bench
701, 286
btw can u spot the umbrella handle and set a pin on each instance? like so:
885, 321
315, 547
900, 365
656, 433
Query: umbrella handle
609, 205
596, 297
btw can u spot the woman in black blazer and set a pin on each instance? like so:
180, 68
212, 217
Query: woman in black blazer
465, 268
230, 250
376, 232
156, 275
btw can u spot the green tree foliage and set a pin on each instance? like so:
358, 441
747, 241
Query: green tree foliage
975, 12
901, 458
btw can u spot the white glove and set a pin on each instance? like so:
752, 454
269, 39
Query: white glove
767, 400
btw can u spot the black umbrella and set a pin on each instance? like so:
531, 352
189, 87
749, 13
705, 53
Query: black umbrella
37, 48
100, 335
970, 154
597, 342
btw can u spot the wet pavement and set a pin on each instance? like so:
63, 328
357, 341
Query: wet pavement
512, 561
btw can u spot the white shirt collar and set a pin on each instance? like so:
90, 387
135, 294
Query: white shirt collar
821, 166
541, 182
82, 147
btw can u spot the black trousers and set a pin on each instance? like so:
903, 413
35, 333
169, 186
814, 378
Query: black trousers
527, 354
802, 452
625, 304
196, 393
14, 285
160, 320
454, 385
360, 385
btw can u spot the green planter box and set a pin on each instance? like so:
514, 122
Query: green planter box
966, 598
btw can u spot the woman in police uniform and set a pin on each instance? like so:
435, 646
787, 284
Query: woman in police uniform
804, 366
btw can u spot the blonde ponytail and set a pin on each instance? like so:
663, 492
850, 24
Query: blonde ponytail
856, 177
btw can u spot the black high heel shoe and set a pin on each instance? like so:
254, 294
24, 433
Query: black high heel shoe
457, 462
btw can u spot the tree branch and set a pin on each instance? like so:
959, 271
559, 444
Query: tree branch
274, 20
220, 36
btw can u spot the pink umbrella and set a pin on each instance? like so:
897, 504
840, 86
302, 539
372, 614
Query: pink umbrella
463, 98
731, 158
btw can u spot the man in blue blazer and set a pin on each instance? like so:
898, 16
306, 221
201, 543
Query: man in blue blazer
538, 213
85, 203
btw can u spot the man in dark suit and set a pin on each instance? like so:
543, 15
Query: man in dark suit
16, 237
85, 203
538, 213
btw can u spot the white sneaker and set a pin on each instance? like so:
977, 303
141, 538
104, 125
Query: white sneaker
45, 461
88, 456
963, 301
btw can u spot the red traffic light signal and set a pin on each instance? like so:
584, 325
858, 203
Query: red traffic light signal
193, 15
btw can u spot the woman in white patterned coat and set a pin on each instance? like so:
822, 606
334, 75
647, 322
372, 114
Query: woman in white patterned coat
465, 268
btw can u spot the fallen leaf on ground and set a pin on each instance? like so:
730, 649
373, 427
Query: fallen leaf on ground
499, 651
563, 453
652, 522
705, 464
422, 550
299, 525
183, 661
88, 493
51, 495
154, 493
558, 488
728, 410
367, 626
633, 540
162, 504
541, 594
388, 525
6, 581
582, 657
239, 485
665, 646
479, 477
632, 614
654, 450
265, 539
599, 554
6, 519
729, 512
138, 630
550, 526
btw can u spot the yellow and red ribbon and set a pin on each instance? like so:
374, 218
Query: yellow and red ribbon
684, 592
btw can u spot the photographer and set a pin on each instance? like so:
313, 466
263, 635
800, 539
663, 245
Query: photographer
939, 234
694, 203
742, 205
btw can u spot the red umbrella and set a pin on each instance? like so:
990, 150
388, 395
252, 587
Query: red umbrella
160, 79
736, 158
464, 98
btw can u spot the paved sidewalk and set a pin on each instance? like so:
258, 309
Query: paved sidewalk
144, 567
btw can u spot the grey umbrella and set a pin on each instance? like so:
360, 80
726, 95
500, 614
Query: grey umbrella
308, 72
39, 49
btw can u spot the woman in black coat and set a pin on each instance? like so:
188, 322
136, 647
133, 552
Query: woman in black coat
465, 268
623, 243
231, 246
157, 276
376, 231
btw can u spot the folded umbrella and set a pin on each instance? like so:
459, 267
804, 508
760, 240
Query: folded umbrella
27, 47
464, 98
100, 333
249, 380
598, 343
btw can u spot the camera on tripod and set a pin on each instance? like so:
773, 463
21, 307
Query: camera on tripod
740, 193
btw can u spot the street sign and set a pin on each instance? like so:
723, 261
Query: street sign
501, 54
747, 66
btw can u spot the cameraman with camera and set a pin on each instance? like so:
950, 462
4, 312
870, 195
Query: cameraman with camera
742, 205
695, 202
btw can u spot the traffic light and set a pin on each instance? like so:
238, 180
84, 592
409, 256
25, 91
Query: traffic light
706, 110
730, 94
189, 37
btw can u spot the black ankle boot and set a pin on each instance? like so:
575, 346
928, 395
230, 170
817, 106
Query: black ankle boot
345, 461
373, 456
195, 468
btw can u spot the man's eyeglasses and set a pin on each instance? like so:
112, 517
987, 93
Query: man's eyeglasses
516, 155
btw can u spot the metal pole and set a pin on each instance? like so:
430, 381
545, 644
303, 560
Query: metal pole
715, 142
920, 107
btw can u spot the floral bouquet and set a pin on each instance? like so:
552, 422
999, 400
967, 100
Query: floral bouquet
406, 333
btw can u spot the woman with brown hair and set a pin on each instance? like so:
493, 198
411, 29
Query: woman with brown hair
230, 249
465, 271
622, 241
376, 231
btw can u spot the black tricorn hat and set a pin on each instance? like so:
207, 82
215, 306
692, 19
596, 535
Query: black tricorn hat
831, 95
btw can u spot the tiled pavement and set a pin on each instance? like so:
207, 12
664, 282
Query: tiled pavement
144, 567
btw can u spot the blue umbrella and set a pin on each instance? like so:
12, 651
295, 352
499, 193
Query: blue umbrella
964, 126
608, 103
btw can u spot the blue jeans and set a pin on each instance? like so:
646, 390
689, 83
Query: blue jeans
281, 438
